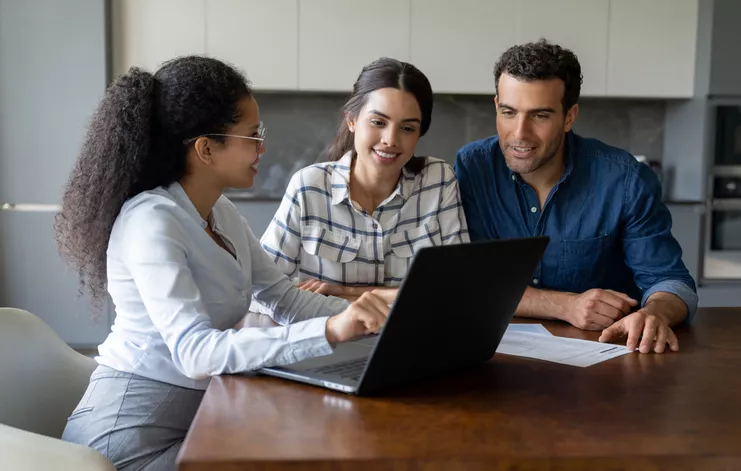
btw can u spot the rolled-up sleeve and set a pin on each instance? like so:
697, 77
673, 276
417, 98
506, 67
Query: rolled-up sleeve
651, 251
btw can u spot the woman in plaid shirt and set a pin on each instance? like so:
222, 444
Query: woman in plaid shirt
356, 221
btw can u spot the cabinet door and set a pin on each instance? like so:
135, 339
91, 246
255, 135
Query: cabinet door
52, 75
651, 50
579, 25
34, 278
457, 43
149, 32
258, 37
725, 66
338, 37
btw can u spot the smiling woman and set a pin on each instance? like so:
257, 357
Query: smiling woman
355, 222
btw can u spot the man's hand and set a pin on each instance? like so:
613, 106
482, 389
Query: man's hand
652, 324
651, 329
597, 309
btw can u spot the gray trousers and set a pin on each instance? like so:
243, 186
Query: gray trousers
136, 422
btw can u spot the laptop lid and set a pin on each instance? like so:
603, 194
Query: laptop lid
452, 309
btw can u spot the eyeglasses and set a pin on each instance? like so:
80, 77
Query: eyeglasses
261, 130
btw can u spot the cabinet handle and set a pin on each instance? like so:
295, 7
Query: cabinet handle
31, 207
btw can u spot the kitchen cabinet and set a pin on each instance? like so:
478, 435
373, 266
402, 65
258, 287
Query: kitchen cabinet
33, 277
258, 37
651, 48
337, 38
149, 32
456, 44
53, 72
579, 25
725, 66
627, 48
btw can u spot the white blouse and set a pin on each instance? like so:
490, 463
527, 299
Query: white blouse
177, 295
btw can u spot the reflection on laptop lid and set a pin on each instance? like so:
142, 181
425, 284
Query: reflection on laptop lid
452, 310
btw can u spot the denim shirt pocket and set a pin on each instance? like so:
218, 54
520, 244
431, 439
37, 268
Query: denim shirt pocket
584, 262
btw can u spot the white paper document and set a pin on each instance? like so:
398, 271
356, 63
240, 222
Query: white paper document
574, 352
532, 328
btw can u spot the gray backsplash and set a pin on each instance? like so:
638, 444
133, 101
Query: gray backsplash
300, 125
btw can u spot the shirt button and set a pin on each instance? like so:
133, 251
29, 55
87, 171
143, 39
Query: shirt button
514, 177
374, 226
535, 281
533, 209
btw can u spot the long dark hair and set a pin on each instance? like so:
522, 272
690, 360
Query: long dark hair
135, 143
383, 73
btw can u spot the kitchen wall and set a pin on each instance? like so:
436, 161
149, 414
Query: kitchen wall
301, 124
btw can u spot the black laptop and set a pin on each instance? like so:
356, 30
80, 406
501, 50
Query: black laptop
451, 312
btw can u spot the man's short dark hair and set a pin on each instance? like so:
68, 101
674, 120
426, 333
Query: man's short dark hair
541, 61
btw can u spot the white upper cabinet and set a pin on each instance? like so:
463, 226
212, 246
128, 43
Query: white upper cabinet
259, 37
579, 25
149, 32
627, 48
456, 43
651, 49
338, 37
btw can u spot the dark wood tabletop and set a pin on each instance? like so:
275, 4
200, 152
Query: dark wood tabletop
675, 411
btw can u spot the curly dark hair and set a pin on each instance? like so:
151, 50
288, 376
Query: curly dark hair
384, 73
539, 61
134, 143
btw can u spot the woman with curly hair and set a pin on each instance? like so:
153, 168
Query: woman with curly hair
143, 219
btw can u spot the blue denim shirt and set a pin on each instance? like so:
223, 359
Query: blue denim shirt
607, 225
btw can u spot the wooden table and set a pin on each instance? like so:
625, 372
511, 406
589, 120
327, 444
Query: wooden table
673, 411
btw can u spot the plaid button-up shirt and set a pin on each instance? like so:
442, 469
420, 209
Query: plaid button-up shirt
319, 232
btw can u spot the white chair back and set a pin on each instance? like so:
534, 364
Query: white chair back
41, 378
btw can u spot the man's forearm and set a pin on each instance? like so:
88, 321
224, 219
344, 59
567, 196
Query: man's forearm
543, 304
668, 305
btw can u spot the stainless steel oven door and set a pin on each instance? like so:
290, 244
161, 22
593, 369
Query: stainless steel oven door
725, 225
722, 260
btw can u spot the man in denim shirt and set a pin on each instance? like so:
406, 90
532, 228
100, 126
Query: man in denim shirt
612, 263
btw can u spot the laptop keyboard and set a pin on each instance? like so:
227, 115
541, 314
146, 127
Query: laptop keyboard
351, 369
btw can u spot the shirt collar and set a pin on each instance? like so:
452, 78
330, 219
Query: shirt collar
568, 156
182, 199
340, 181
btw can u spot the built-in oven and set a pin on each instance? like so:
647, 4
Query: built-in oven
728, 135
725, 226
723, 257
